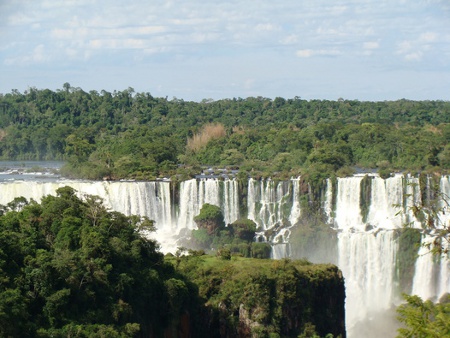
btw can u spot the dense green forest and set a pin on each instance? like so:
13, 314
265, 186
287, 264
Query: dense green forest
70, 268
135, 135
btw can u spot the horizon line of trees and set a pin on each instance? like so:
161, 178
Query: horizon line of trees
135, 135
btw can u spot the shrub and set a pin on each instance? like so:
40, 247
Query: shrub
261, 250
209, 132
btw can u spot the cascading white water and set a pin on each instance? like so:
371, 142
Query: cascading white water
382, 211
443, 286
367, 260
367, 249
413, 198
151, 199
275, 205
348, 214
432, 273
230, 201
295, 213
194, 193
424, 283
444, 212
272, 203
327, 203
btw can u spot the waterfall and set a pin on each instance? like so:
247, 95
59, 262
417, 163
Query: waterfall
194, 193
230, 201
432, 277
274, 206
327, 204
151, 199
295, 212
367, 247
348, 213
367, 261
366, 251
273, 203
444, 214
381, 212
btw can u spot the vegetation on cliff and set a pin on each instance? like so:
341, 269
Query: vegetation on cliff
236, 238
268, 298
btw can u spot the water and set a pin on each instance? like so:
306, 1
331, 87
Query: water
29, 170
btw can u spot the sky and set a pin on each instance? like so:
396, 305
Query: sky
367, 50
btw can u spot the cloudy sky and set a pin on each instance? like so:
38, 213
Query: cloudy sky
193, 50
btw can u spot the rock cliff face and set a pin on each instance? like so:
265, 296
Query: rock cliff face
258, 298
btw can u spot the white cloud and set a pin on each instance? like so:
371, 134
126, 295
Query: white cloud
416, 48
156, 50
117, 44
415, 56
427, 37
37, 56
371, 45
266, 27
306, 53
404, 47
289, 40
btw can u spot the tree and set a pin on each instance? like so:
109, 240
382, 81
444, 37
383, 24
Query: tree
432, 215
244, 229
424, 319
210, 218
68, 267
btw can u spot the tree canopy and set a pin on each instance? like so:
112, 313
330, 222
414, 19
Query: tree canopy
70, 267
124, 134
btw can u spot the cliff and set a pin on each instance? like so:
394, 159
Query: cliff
261, 298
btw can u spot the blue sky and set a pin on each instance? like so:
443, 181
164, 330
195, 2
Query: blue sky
189, 49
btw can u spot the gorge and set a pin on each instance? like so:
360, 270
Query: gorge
361, 229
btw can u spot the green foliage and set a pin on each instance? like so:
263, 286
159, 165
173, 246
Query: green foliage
236, 238
201, 238
260, 250
243, 229
69, 267
135, 135
424, 318
210, 217
269, 298
224, 253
